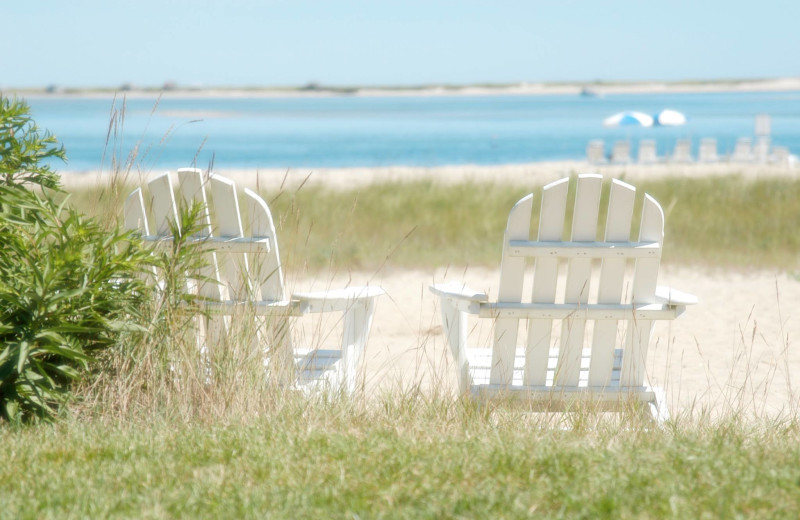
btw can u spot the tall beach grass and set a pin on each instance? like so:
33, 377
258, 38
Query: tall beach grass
725, 222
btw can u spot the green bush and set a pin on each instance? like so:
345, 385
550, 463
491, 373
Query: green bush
68, 287
23, 149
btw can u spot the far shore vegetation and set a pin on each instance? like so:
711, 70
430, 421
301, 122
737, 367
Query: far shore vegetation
316, 88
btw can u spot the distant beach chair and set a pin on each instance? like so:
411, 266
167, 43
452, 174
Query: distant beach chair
780, 155
596, 152
743, 151
682, 152
621, 152
647, 151
761, 150
708, 151
243, 277
607, 370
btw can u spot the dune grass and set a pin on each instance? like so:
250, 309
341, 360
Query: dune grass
725, 222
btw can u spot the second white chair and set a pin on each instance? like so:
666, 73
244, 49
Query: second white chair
243, 277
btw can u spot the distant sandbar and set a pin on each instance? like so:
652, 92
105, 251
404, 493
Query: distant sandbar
587, 89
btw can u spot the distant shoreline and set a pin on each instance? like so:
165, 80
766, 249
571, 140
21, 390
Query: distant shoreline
523, 89
528, 174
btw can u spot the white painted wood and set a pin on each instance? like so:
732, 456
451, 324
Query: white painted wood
232, 268
337, 299
164, 209
458, 290
573, 311
606, 371
263, 300
260, 308
674, 297
192, 191
358, 305
579, 273
512, 270
357, 324
250, 245
217, 244
266, 270
479, 360
191, 188
454, 323
612, 277
545, 279
644, 291
135, 217
165, 212
591, 250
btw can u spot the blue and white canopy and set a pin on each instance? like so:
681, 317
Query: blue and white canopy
628, 119
669, 117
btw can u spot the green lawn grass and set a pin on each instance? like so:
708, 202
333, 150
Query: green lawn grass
420, 461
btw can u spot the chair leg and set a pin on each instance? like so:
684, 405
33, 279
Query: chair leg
275, 337
357, 324
658, 408
454, 323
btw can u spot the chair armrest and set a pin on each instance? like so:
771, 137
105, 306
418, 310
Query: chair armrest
460, 296
337, 299
670, 296
458, 291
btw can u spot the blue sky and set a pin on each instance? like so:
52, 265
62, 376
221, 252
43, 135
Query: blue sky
411, 42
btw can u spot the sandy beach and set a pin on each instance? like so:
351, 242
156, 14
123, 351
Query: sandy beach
532, 174
733, 350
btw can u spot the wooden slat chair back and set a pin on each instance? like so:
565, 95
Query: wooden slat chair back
610, 289
243, 277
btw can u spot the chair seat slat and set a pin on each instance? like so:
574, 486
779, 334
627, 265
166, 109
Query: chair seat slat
562, 311
480, 362
532, 248
220, 244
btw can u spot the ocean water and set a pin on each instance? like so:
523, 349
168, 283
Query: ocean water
385, 131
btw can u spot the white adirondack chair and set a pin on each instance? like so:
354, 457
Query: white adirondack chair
707, 152
247, 279
596, 152
621, 152
743, 151
618, 302
647, 151
682, 152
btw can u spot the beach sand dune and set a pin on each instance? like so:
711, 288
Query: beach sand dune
732, 351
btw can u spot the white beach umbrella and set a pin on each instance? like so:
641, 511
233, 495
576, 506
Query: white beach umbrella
669, 117
628, 119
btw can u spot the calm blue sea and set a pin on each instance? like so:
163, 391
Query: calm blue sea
385, 131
